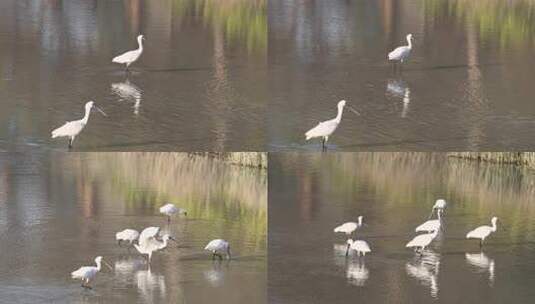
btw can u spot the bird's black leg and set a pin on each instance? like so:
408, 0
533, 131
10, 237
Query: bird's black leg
480, 243
220, 257
70, 143
347, 250
168, 219
323, 148
213, 256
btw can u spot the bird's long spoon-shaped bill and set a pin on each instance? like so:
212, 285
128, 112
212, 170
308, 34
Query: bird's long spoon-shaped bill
101, 112
353, 110
108, 265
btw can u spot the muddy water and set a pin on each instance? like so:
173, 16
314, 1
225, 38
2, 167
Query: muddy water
59, 211
197, 87
466, 86
312, 194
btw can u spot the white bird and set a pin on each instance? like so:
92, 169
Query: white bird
71, 129
421, 241
127, 235
431, 225
482, 232
219, 247
148, 243
349, 227
439, 205
170, 209
401, 53
131, 56
361, 247
324, 129
88, 273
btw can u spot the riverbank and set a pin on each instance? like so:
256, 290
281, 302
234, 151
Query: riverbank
518, 158
247, 159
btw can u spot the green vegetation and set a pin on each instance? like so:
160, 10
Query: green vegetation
240, 20
511, 23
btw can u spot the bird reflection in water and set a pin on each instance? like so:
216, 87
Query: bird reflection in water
425, 269
151, 286
483, 263
215, 275
129, 92
398, 88
355, 269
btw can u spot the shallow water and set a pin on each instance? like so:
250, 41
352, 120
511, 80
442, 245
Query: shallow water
199, 85
467, 85
312, 194
59, 211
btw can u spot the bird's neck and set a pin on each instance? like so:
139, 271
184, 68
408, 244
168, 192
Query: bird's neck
494, 227
339, 114
86, 115
140, 45
99, 264
410, 43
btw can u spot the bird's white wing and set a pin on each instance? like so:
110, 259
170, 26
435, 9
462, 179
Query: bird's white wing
324, 128
68, 129
147, 233
398, 53
126, 57
83, 271
478, 232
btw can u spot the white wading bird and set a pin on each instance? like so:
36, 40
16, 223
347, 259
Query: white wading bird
218, 247
127, 235
431, 225
421, 241
88, 273
71, 129
349, 227
324, 129
148, 243
131, 56
401, 53
439, 205
361, 247
482, 232
170, 209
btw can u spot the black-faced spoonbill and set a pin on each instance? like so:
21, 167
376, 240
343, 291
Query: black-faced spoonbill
127, 235
361, 247
349, 227
218, 247
71, 129
148, 242
421, 241
324, 129
482, 232
131, 56
431, 225
170, 209
88, 273
401, 53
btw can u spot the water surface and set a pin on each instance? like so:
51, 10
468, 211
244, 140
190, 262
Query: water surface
199, 85
310, 194
59, 211
467, 85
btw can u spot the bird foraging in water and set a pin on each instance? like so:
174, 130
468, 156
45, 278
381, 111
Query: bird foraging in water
71, 129
131, 56
324, 129
431, 225
219, 247
349, 227
421, 241
127, 235
148, 242
170, 209
400, 54
482, 232
361, 247
88, 273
